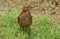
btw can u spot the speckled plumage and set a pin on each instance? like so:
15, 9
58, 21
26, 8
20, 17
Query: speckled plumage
25, 18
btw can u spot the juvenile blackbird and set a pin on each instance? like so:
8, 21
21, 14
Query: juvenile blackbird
25, 18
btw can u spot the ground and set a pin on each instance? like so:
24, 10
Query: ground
46, 19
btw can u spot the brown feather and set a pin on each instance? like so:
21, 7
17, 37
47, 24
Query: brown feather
25, 18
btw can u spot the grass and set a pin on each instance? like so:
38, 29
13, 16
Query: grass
41, 28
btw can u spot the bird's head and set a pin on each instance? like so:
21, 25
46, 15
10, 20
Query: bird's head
27, 8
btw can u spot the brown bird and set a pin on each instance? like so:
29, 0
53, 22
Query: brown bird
25, 18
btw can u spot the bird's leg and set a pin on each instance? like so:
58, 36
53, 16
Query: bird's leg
26, 30
22, 30
29, 32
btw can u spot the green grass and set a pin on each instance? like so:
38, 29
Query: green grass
41, 28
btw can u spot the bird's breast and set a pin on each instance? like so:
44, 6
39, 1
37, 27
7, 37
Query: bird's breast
25, 20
